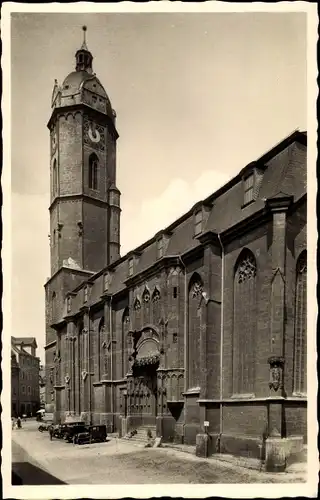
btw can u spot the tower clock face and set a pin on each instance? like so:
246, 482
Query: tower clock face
94, 135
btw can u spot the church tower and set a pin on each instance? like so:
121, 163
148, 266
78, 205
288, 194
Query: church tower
84, 209
84, 200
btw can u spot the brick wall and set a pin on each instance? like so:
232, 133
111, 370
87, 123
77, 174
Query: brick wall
94, 239
70, 153
70, 244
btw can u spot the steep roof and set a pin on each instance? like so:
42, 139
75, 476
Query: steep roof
282, 169
27, 341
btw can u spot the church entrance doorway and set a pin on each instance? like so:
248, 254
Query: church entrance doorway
142, 384
145, 405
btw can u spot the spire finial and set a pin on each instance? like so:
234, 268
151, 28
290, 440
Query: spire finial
84, 44
83, 55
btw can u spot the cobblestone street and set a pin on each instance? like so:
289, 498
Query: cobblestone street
121, 462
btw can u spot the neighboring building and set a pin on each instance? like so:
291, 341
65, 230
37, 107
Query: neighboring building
15, 385
42, 386
24, 376
204, 322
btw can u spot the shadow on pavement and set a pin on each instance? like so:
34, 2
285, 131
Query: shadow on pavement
24, 473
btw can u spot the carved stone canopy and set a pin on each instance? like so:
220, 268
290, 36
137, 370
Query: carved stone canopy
276, 361
276, 372
147, 360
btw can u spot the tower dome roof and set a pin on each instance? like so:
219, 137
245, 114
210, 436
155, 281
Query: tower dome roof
83, 81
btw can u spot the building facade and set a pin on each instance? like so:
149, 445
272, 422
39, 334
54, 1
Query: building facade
25, 395
205, 322
42, 386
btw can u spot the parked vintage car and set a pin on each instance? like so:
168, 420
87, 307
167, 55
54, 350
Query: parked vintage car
61, 431
70, 430
93, 434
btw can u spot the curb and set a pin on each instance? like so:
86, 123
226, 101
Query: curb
250, 464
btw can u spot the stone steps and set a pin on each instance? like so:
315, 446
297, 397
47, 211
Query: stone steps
141, 437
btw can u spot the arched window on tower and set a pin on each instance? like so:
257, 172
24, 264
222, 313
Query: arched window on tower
93, 172
54, 178
244, 323
300, 326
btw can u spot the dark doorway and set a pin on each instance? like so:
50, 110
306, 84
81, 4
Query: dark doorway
146, 396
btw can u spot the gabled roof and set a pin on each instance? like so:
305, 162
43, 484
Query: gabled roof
27, 341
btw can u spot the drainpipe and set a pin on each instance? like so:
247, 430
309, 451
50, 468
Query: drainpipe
185, 324
221, 339
111, 360
89, 371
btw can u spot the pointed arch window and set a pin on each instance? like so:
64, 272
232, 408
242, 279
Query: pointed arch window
244, 323
126, 341
54, 305
93, 172
54, 178
300, 326
101, 341
194, 324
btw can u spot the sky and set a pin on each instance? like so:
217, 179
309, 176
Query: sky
197, 96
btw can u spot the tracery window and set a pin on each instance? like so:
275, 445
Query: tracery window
300, 341
244, 323
247, 269
194, 323
93, 172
